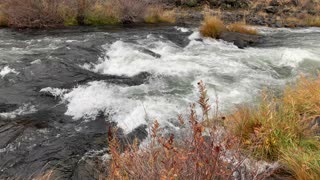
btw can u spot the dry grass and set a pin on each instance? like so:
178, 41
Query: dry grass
242, 28
33, 14
303, 164
279, 126
156, 14
3, 20
293, 21
195, 156
130, 11
212, 27
313, 21
101, 14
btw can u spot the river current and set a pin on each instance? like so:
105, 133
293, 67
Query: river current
61, 89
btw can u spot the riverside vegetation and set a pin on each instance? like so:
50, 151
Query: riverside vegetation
60, 13
280, 129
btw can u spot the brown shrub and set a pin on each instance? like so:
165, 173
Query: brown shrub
130, 11
33, 13
242, 28
212, 27
196, 156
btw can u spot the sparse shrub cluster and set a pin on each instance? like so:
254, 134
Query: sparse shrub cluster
280, 129
213, 27
206, 153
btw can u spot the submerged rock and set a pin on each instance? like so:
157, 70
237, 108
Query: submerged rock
241, 40
151, 53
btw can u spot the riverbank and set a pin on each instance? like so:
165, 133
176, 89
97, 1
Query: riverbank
58, 14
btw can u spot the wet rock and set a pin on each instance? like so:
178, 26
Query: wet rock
278, 24
229, 4
151, 53
295, 2
7, 107
271, 9
8, 133
241, 40
274, 3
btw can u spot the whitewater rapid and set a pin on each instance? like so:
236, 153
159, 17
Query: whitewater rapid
232, 75
62, 90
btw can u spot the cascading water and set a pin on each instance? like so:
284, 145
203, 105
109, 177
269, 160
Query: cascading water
59, 89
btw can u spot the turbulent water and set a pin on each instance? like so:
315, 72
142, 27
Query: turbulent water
61, 89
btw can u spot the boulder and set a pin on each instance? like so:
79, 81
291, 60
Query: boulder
229, 4
274, 3
241, 40
271, 9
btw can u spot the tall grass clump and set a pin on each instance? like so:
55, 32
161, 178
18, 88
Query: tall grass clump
284, 128
242, 28
203, 153
212, 27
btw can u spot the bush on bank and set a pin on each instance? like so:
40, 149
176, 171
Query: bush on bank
279, 129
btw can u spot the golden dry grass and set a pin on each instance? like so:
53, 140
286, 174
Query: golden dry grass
242, 28
156, 14
303, 164
278, 127
3, 20
293, 21
313, 21
212, 27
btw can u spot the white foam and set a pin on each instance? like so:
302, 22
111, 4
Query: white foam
37, 61
235, 75
7, 70
23, 110
56, 92
182, 29
268, 30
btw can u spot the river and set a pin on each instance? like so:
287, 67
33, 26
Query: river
60, 90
